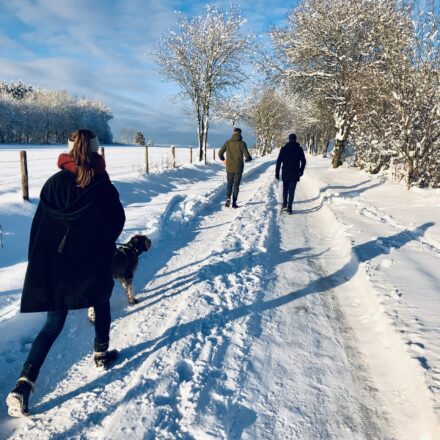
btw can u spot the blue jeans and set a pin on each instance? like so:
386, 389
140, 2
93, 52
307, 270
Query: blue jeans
55, 323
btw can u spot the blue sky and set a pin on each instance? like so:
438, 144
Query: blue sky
101, 49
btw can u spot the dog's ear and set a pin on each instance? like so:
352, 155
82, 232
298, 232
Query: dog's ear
133, 240
137, 241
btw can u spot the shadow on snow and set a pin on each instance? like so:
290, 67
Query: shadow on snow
133, 357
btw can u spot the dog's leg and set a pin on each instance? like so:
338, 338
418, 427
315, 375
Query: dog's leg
128, 286
91, 314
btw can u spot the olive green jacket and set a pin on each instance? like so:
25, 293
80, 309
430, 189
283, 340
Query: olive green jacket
235, 149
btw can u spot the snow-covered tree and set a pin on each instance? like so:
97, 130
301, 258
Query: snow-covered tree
270, 118
127, 135
232, 109
17, 91
398, 122
41, 116
204, 56
312, 122
323, 49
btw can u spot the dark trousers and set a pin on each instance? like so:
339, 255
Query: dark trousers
55, 323
233, 185
288, 193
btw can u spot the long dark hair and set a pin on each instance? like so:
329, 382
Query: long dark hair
82, 155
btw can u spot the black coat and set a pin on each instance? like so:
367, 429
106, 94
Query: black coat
293, 162
72, 243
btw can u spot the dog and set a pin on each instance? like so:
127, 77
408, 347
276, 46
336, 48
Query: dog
124, 264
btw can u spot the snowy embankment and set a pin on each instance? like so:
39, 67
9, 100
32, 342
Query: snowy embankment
251, 324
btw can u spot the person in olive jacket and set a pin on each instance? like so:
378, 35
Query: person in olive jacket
235, 148
71, 247
293, 162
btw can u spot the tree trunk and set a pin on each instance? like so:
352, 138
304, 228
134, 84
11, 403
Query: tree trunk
205, 136
199, 131
410, 175
327, 146
342, 126
338, 149
200, 138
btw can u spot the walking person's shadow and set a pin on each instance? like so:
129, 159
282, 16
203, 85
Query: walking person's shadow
133, 357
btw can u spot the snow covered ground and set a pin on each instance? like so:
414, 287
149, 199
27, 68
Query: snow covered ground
120, 162
251, 324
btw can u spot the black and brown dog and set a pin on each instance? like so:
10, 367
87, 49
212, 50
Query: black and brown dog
124, 264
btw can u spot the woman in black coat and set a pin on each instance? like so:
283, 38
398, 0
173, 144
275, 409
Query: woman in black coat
293, 162
71, 248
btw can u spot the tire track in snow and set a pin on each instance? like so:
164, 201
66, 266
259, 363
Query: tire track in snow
396, 375
393, 259
372, 212
288, 379
200, 343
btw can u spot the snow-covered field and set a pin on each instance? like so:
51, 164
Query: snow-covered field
251, 324
120, 162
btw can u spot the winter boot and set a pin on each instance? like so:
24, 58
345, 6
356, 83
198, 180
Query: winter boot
105, 358
284, 207
18, 399
289, 210
228, 203
234, 202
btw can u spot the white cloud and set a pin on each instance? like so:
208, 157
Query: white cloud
101, 49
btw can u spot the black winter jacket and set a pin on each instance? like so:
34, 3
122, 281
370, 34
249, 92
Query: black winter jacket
293, 162
72, 243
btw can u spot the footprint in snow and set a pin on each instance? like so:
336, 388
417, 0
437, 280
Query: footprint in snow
386, 263
416, 346
423, 362
185, 370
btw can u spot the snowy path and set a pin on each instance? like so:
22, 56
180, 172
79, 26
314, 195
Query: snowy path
250, 325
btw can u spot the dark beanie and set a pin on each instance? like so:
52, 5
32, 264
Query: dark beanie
292, 137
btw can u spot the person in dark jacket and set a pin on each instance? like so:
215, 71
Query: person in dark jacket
292, 162
71, 247
235, 148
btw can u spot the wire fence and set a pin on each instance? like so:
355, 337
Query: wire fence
22, 168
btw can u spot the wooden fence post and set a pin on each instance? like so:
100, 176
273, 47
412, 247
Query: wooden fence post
24, 175
213, 154
190, 155
173, 152
102, 152
147, 165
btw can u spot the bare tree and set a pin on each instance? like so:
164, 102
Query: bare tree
323, 50
398, 121
127, 135
204, 57
312, 122
373, 67
270, 118
232, 109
